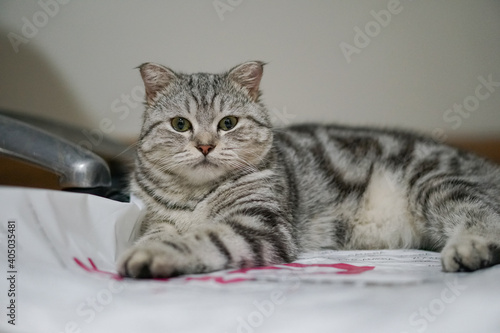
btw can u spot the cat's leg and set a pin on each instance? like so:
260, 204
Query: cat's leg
461, 217
242, 241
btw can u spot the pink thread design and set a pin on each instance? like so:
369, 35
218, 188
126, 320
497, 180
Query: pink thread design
93, 269
346, 269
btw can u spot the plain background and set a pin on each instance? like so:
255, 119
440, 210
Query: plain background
78, 63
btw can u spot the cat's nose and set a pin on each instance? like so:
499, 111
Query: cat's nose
205, 149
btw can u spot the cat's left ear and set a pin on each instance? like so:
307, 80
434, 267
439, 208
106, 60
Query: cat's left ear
156, 78
248, 76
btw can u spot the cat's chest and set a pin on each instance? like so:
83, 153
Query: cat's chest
174, 205
184, 213
196, 209
187, 220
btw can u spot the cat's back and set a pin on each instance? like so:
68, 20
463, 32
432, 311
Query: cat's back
346, 157
344, 149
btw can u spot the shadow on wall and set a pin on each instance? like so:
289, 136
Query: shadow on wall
30, 84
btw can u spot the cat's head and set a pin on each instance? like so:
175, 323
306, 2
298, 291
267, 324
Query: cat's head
204, 126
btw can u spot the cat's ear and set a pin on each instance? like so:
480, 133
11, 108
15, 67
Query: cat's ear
156, 78
248, 76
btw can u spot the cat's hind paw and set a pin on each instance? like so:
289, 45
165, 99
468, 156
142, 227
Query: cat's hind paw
466, 254
153, 260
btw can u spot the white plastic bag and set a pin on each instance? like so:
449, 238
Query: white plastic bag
56, 232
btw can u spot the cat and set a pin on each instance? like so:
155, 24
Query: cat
223, 189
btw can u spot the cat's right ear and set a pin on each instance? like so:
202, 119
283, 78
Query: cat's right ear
156, 78
248, 76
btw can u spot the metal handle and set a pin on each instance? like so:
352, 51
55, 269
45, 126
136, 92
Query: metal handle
76, 166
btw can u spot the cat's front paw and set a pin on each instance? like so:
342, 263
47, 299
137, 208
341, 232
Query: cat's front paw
154, 259
466, 254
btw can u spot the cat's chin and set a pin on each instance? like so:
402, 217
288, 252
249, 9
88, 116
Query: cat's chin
203, 173
205, 164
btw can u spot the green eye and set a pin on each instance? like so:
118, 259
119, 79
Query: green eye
180, 124
228, 123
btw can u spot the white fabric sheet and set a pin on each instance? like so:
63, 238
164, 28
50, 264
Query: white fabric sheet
65, 280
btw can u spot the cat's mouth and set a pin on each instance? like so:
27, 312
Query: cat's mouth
205, 163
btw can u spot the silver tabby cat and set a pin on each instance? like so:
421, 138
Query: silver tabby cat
225, 190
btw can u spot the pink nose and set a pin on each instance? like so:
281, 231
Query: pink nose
205, 149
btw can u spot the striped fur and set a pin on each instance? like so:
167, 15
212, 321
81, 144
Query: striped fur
263, 195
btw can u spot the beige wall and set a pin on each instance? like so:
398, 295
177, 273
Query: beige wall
75, 61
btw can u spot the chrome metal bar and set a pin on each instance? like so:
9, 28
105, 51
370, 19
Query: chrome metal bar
106, 147
76, 166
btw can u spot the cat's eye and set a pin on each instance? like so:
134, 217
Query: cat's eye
228, 123
180, 124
